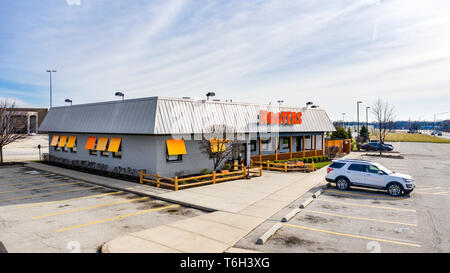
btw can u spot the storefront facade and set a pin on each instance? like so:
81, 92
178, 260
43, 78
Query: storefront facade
164, 134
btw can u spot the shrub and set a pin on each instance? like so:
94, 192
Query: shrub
226, 167
205, 171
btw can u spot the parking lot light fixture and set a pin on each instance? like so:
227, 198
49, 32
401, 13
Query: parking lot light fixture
357, 116
120, 94
367, 117
68, 101
309, 103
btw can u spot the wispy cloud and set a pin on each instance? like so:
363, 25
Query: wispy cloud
331, 52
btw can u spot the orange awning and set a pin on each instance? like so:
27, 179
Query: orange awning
102, 142
54, 140
90, 143
217, 144
114, 144
62, 141
71, 141
176, 147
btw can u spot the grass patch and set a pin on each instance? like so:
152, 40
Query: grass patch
405, 137
319, 165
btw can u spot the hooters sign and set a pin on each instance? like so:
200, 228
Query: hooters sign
285, 118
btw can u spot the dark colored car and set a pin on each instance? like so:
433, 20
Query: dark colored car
375, 146
377, 141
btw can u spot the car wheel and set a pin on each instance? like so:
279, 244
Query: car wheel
342, 183
394, 189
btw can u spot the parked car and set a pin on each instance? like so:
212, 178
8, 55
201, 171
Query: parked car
377, 141
436, 133
377, 146
362, 173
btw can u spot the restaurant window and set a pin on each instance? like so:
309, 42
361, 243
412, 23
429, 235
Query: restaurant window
284, 142
265, 144
253, 145
74, 149
175, 149
118, 154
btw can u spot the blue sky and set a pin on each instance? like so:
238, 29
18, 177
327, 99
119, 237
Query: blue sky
330, 52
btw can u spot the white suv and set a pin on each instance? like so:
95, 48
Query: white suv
362, 173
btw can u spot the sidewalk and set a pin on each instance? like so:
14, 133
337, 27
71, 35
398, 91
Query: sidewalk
251, 203
238, 207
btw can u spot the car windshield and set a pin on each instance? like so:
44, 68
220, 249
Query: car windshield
384, 169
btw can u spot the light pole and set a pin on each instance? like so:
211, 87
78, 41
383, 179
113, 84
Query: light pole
120, 94
309, 103
343, 123
51, 71
68, 101
280, 102
367, 117
357, 109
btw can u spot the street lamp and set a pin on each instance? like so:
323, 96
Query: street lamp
357, 107
343, 123
309, 103
367, 117
68, 101
51, 71
210, 94
314, 106
120, 94
280, 102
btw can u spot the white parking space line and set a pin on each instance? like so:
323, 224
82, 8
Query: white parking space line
360, 218
353, 235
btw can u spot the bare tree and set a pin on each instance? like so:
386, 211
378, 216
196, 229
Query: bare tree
10, 131
220, 143
385, 115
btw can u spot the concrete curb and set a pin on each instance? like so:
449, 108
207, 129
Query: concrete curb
318, 193
262, 240
306, 203
291, 214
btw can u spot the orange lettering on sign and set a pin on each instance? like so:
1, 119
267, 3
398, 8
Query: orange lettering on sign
285, 118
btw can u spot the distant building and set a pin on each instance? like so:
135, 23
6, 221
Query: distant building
28, 120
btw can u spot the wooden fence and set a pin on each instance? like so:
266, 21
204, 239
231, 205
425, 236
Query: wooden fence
284, 156
180, 183
285, 166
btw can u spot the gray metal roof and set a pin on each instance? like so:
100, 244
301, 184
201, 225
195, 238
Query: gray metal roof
162, 116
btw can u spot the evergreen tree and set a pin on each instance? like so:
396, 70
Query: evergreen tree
364, 133
339, 133
349, 133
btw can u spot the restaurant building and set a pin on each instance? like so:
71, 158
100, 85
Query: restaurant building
164, 135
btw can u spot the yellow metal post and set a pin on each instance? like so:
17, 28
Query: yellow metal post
290, 147
157, 180
260, 170
303, 146
285, 167
214, 177
276, 148
141, 176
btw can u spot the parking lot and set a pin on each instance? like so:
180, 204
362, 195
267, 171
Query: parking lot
365, 220
45, 212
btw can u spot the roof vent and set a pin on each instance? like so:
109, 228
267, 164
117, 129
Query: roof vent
186, 98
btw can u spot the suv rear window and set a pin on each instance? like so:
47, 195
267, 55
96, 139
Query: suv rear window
337, 165
357, 167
